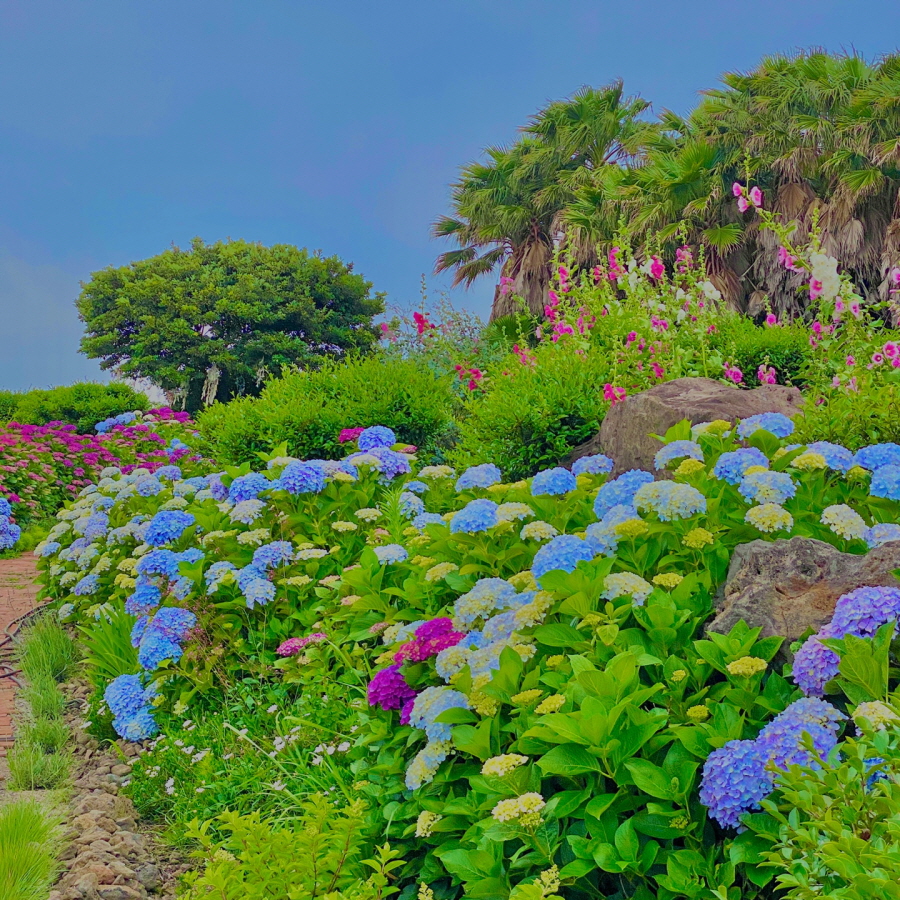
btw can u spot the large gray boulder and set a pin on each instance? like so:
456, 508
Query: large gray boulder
625, 433
789, 586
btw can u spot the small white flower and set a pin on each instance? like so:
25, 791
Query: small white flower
273, 708
277, 786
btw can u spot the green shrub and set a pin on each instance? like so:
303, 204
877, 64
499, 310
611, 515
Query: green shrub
534, 416
307, 410
47, 651
28, 844
852, 419
82, 405
108, 652
50, 735
748, 346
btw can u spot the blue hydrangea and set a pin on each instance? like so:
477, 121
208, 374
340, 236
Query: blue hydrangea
148, 486
172, 622
767, 487
485, 597
475, 516
677, 450
482, 476
775, 423
731, 466
5, 507
183, 588
815, 665
881, 533
411, 505
49, 548
144, 598
376, 436
877, 455
598, 464
167, 525
735, 781
168, 473
836, 457
620, 491
391, 463
125, 696
88, 585
670, 500
9, 533
864, 610
886, 482
391, 553
563, 552
602, 535
159, 562
783, 740
417, 487
553, 482
96, 526
332, 466
429, 704
247, 487
255, 586
137, 631
139, 727
216, 572
427, 518
302, 478
191, 555
274, 554
104, 503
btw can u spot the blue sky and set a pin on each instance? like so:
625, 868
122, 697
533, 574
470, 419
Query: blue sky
126, 125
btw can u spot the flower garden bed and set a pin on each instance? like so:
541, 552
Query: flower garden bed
484, 688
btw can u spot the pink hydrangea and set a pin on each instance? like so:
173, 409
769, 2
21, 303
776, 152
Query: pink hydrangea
429, 639
292, 646
349, 434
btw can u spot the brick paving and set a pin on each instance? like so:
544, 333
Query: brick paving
18, 594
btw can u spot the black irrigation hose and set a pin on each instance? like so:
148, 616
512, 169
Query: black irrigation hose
10, 638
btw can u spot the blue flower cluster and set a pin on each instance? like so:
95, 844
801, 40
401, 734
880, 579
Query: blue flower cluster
159, 639
598, 464
620, 491
125, 418
145, 597
775, 423
427, 518
389, 463
148, 486
877, 455
168, 473
129, 702
731, 466
301, 478
602, 535
881, 533
553, 482
475, 516
738, 776
482, 476
9, 531
886, 482
275, 554
166, 526
564, 552
677, 450
247, 487
429, 704
417, 487
767, 487
836, 457
255, 585
411, 505
391, 553
376, 436
670, 500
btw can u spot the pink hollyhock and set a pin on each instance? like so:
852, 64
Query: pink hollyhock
771, 320
743, 204
756, 197
615, 269
815, 289
877, 359
854, 308
733, 373
598, 274
786, 259
850, 360
506, 285
737, 189
891, 350
851, 384
657, 269
766, 375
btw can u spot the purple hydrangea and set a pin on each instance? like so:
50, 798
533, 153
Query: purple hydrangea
168, 473
735, 781
388, 689
881, 533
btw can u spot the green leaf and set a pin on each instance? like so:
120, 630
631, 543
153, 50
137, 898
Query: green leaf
651, 779
570, 760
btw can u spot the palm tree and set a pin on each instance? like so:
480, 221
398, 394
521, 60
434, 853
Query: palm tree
508, 211
818, 133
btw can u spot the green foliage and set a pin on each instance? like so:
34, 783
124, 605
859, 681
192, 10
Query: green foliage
319, 854
107, 646
32, 768
242, 307
49, 734
852, 418
784, 347
307, 410
836, 828
533, 417
82, 405
47, 651
29, 840
44, 697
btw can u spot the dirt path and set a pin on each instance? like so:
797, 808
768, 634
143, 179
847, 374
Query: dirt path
18, 594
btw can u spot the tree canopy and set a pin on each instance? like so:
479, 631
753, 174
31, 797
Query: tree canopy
212, 321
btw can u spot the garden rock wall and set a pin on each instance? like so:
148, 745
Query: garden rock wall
789, 586
625, 433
